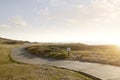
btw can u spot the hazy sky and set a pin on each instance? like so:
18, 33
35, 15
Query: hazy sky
90, 21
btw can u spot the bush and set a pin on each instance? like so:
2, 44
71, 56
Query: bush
61, 56
51, 55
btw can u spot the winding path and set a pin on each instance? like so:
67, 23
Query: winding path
102, 71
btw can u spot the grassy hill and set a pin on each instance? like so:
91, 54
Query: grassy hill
106, 54
57, 51
10, 41
10, 70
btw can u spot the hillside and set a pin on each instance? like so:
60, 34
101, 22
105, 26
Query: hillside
10, 41
11, 70
106, 54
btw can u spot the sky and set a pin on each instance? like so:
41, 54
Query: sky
85, 21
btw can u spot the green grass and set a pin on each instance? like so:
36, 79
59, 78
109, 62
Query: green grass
35, 72
48, 51
106, 54
10, 70
4, 53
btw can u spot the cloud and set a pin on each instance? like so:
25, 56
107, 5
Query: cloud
43, 12
56, 3
14, 24
4, 27
98, 12
79, 12
18, 21
37, 1
96, 15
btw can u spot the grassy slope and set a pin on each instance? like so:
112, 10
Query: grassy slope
107, 54
4, 53
13, 71
57, 51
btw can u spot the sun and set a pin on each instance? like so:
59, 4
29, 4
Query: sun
117, 43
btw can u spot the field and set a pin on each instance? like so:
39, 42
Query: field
10, 70
106, 54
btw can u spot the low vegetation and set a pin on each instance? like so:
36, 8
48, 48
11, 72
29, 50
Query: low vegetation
9, 70
48, 51
106, 54
10, 41
51, 50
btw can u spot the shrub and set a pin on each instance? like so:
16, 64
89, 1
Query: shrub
51, 55
61, 56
